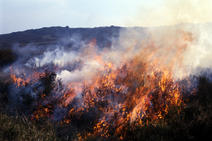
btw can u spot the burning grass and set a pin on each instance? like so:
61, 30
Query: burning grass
116, 100
193, 122
139, 96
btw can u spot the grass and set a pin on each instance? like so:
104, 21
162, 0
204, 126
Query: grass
194, 122
22, 129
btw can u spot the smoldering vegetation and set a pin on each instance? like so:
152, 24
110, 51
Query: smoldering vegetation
106, 83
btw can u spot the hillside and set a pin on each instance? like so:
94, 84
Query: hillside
51, 35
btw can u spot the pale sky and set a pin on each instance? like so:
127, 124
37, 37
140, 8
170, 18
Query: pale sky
18, 15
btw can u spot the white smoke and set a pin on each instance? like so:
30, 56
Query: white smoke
198, 55
58, 57
164, 43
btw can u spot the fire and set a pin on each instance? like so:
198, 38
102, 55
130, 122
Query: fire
130, 96
19, 81
140, 90
23, 80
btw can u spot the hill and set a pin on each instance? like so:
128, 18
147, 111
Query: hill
51, 35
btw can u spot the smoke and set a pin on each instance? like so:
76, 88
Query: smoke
177, 52
92, 59
172, 12
58, 57
181, 50
189, 11
138, 75
144, 73
199, 53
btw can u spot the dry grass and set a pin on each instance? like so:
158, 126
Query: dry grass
22, 129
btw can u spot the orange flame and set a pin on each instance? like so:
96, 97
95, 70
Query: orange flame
139, 91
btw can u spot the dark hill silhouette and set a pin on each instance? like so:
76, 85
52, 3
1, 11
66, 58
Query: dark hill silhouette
50, 35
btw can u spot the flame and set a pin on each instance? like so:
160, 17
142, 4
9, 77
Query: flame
140, 90
19, 81
23, 80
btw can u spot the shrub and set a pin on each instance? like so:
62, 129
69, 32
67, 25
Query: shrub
7, 56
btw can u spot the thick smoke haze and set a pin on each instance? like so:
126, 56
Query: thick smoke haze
183, 50
172, 12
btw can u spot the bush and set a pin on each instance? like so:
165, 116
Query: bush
7, 56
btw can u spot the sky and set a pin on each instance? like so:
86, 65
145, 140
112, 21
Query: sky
18, 15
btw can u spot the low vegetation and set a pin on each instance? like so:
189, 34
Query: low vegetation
194, 122
7, 56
